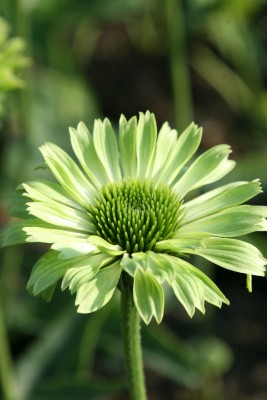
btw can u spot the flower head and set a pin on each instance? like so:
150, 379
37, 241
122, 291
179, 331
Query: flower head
127, 210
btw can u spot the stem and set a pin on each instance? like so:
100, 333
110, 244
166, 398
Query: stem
182, 96
6, 369
132, 344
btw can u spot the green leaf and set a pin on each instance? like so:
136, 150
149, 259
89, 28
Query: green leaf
105, 247
62, 216
127, 133
98, 291
207, 168
68, 174
83, 146
183, 150
146, 138
219, 199
18, 206
148, 296
236, 221
233, 254
14, 234
79, 275
106, 147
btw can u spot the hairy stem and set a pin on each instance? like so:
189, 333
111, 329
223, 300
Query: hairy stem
132, 345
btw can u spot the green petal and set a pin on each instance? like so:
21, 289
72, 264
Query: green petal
182, 152
106, 147
131, 264
146, 138
60, 215
219, 199
14, 234
40, 231
207, 168
192, 287
47, 271
49, 192
148, 296
127, 131
83, 146
18, 206
71, 248
167, 138
97, 292
106, 247
160, 266
236, 221
233, 254
79, 275
68, 174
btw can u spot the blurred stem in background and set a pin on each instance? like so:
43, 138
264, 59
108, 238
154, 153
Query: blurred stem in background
180, 77
6, 366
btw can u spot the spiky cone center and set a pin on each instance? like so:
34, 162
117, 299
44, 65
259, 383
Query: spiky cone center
135, 215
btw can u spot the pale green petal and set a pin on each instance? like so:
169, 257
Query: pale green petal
47, 271
146, 138
49, 192
235, 221
180, 245
219, 199
68, 174
15, 234
47, 233
79, 275
18, 207
160, 266
193, 288
166, 142
71, 248
207, 168
148, 296
83, 146
184, 149
97, 292
61, 216
233, 254
106, 147
106, 247
127, 132
131, 264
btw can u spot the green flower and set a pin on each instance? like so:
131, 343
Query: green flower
128, 215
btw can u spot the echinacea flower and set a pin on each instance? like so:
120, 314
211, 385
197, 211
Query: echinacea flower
128, 211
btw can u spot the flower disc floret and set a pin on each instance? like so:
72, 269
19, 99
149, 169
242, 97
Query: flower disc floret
135, 215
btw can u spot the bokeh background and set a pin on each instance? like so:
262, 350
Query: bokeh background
201, 60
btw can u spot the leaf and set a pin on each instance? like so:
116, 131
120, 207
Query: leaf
148, 296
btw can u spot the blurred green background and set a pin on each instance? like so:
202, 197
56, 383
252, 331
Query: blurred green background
201, 60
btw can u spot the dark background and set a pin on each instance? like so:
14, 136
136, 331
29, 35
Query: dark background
201, 60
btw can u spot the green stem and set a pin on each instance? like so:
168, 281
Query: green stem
132, 345
6, 369
181, 82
